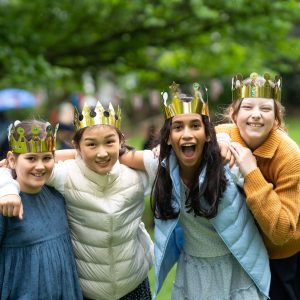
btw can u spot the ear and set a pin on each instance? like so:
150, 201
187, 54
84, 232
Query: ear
78, 152
11, 160
207, 139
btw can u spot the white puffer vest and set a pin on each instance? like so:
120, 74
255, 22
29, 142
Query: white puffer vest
112, 248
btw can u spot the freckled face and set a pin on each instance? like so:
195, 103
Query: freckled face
255, 119
187, 138
99, 148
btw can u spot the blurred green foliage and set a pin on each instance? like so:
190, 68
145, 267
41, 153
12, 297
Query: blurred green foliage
51, 43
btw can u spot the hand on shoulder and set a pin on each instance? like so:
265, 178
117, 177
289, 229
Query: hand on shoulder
11, 206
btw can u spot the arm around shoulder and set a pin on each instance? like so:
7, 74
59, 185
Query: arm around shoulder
10, 201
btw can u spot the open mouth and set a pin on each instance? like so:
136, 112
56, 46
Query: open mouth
188, 149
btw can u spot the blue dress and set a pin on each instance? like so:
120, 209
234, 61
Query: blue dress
36, 255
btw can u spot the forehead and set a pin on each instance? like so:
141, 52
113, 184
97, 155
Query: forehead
260, 101
37, 154
187, 118
100, 131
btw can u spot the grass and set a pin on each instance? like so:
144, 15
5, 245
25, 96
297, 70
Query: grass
293, 126
165, 292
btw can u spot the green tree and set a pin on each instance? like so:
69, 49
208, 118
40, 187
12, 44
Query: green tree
51, 43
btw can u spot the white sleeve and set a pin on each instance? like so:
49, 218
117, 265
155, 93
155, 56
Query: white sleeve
237, 176
8, 186
151, 165
58, 177
223, 137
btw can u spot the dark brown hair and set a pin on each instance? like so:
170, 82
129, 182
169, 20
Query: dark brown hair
212, 188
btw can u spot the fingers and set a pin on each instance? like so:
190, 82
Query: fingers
236, 146
21, 212
228, 157
156, 151
10, 206
245, 160
232, 161
8, 211
225, 152
3, 163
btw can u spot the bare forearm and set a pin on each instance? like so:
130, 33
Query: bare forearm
65, 154
133, 159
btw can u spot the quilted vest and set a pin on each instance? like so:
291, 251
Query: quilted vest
112, 248
234, 224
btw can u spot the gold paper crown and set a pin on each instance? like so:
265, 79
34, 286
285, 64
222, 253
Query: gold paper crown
97, 116
256, 87
35, 144
178, 106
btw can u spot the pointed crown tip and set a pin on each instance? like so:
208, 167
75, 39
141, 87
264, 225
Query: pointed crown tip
178, 106
97, 115
256, 86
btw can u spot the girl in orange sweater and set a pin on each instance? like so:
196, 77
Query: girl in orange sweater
269, 161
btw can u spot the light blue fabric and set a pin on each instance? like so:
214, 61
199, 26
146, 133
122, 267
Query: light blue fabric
36, 255
234, 223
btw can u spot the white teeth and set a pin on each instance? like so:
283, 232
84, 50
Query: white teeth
187, 145
255, 125
102, 162
38, 175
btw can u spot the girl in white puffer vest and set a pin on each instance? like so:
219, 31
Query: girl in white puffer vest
105, 204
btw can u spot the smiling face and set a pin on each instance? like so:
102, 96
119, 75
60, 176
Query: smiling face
187, 138
255, 119
32, 169
99, 148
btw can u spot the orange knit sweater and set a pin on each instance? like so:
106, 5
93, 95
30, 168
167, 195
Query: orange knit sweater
273, 190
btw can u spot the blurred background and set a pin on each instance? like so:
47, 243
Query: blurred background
55, 55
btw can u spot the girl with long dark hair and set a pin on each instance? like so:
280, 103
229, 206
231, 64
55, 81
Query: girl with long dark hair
201, 218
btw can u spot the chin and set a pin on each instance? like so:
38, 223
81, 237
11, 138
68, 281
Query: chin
103, 171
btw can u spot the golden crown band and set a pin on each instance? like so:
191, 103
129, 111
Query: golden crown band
97, 116
36, 144
178, 106
256, 87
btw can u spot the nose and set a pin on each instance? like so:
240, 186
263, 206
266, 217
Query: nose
101, 152
187, 134
256, 113
39, 165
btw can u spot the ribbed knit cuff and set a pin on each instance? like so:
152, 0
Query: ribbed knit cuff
254, 181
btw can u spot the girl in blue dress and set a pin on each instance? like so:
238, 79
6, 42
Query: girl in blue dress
36, 256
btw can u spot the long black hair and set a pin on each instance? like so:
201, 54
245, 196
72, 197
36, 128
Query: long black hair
212, 188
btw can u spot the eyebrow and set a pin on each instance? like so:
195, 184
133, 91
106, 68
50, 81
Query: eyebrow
106, 137
42, 154
191, 121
